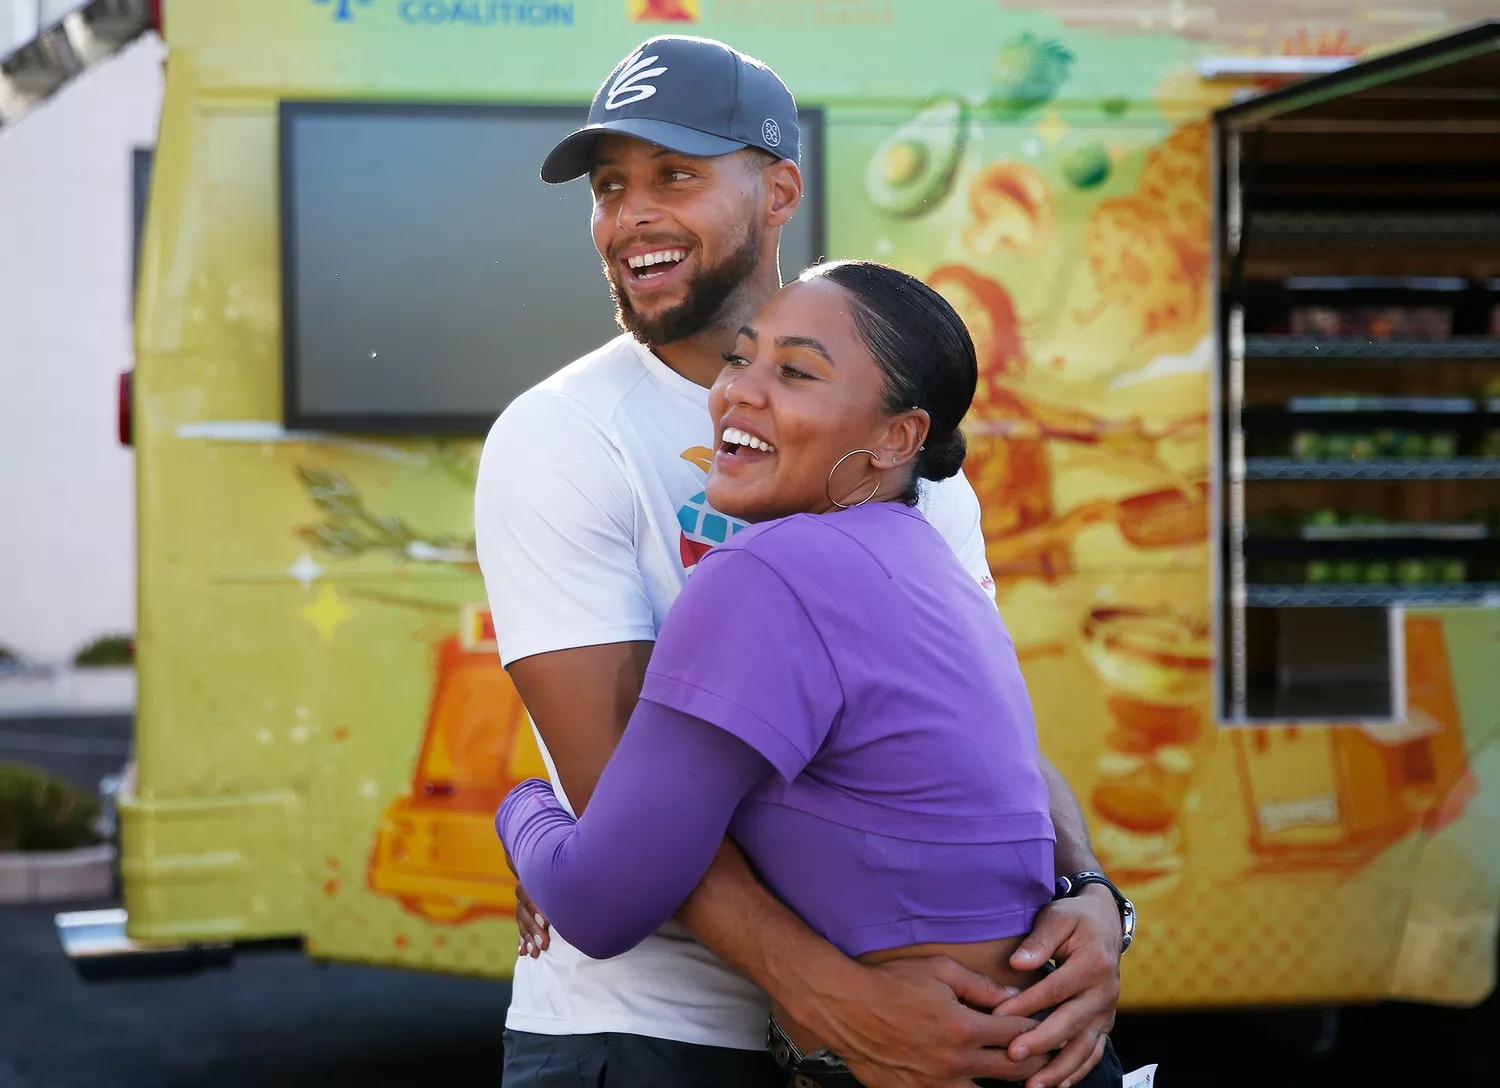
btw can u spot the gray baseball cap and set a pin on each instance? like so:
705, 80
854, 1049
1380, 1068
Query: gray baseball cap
692, 95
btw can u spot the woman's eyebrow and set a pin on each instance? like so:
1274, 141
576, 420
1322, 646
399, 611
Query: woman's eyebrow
805, 342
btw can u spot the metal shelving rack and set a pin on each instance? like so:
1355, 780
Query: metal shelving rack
1410, 232
1452, 468
1357, 349
1486, 594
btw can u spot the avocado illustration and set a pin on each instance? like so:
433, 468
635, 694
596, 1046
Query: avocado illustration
912, 170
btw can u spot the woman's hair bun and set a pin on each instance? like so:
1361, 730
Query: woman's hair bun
943, 458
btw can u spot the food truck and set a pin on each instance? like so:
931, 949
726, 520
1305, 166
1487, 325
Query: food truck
1234, 441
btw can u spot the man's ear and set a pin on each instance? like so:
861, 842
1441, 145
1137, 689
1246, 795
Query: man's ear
783, 192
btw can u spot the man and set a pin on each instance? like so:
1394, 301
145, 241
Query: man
589, 517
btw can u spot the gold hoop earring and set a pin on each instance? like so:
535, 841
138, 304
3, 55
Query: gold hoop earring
829, 488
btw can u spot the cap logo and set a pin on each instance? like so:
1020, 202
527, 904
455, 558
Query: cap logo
771, 133
629, 86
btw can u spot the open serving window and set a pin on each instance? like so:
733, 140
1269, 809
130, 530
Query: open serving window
1359, 236
428, 274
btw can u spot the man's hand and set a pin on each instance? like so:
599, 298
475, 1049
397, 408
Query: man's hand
1083, 935
908, 1024
533, 927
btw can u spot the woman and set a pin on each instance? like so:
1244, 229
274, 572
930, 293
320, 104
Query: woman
831, 688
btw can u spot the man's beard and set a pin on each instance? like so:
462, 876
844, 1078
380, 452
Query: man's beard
708, 295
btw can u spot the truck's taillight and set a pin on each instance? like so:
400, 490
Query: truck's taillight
122, 408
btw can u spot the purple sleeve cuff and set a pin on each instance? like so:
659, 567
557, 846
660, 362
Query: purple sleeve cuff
662, 807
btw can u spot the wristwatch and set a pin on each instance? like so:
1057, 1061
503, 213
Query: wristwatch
1069, 886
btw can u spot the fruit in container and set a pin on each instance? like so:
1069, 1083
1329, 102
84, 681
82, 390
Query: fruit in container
1338, 446
1307, 445
1452, 570
1348, 572
1412, 445
1379, 572
1319, 572
1413, 572
1442, 444
1361, 447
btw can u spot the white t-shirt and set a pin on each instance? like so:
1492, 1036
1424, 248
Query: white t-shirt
590, 514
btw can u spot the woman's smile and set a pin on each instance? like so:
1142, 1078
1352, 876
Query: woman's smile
741, 445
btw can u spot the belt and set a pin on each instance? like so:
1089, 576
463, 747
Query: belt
820, 1069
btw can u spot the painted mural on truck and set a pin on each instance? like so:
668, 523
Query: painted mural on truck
1045, 167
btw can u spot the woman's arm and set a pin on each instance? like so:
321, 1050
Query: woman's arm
657, 816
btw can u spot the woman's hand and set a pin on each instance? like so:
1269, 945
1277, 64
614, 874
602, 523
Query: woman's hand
1083, 934
533, 926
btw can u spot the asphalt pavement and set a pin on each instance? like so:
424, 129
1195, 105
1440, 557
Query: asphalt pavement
273, 1020
81, 750
278, 1020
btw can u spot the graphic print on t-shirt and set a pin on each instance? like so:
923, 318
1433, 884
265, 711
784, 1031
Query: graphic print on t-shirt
702, 525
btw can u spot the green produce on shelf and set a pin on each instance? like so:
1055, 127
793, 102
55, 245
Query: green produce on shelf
1319, 572
1411, 445
1362, 447
1348, 572
1452, 570
1379, 572
1307, 445
1413, 572
1338, 446
1324, 517
1442, 444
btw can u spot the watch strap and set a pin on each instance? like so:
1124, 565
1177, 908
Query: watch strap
1069, 886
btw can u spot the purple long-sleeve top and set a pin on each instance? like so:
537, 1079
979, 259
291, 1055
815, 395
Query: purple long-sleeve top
836, 693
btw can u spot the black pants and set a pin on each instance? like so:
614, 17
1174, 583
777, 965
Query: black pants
615, 1060
1107, 1074
636, 1061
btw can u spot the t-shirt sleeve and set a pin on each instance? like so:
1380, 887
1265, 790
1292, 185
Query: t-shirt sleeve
739, 650
554, 520
951, 507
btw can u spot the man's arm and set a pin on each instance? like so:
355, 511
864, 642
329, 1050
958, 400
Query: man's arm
904, 1024
1083, 934
580, 700
1074, 852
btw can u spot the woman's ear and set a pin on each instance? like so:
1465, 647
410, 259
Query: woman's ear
904, 438
783, 192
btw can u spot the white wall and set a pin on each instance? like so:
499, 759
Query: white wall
67, 488
21, 19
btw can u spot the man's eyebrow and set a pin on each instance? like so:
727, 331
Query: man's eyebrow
748, 333
659, 153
